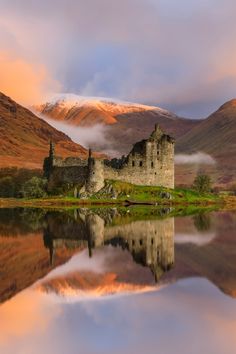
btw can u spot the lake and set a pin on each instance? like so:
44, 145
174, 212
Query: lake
117, 280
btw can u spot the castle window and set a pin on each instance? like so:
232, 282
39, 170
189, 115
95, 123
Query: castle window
152, 165
152, 241
133, 242
133, 163
141, 163
141, 242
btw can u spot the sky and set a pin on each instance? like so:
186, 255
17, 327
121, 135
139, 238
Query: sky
179, 55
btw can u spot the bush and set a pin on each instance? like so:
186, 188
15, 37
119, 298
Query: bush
12, 180
7, 187
34, 188
202, 184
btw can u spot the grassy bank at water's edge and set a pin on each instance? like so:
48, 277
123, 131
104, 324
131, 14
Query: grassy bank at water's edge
120, 193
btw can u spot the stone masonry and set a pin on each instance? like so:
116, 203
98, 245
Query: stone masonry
150, 163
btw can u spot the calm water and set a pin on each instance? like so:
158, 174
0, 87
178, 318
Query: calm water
117, 281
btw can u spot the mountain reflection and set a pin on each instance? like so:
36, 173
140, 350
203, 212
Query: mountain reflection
150, 242
33, 242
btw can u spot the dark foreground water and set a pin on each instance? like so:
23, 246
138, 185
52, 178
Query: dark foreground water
117, 281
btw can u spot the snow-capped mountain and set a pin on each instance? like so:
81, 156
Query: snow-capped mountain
125, 123
87, 111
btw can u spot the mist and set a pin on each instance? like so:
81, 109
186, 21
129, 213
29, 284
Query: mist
94, 137
197, 158
197, 238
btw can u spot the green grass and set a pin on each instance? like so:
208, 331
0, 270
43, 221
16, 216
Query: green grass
126, 191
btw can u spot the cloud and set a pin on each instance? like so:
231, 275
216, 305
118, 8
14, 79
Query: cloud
197, 158
180, 55
198, 239
25, 82
94, 137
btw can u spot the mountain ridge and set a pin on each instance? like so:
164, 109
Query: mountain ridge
125, 122
25, 137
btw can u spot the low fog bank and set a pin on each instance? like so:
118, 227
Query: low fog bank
197, 238
97, 138
197, 158
94, 137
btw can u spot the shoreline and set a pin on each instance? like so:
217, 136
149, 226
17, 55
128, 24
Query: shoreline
73, 202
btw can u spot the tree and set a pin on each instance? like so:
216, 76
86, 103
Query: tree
202, 184
202, 221
34, 188
7, 187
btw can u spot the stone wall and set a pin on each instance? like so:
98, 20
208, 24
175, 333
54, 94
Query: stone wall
150, 162
68, 162
150, 242
76, 175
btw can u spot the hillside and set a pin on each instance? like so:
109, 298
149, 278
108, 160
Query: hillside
125, 122
216, 136
24, 138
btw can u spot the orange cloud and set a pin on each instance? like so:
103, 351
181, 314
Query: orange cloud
25, 314
25, 82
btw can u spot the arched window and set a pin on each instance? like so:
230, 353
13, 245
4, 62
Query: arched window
141, 163
152, 164
133, 163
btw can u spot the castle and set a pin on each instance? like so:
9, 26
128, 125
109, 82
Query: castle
150, 242
150, 163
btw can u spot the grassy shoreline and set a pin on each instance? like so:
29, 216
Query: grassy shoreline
75, 202
120, 193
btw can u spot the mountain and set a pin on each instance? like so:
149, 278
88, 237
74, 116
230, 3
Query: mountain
126, 123
24, 138
90, 284
216, 136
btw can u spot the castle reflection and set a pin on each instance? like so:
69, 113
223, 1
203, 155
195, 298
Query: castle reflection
150, 242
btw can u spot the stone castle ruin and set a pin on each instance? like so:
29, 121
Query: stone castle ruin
150, 242
150, 163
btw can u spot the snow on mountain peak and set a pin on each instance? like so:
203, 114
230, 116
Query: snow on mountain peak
112, 105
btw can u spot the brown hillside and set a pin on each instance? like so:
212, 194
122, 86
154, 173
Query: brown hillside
216, 136
24, 138
133, 127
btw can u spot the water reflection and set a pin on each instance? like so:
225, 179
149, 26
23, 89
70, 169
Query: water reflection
35, 241
151, 242
105, 254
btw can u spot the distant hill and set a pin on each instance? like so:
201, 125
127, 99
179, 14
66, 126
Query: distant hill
126, 123
216, 136
24, 138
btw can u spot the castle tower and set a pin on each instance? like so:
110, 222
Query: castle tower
51, 150
95, 179
48, 161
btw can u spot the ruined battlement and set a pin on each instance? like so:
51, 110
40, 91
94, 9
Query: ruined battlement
68, 162
150, 162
